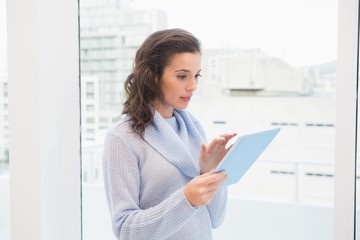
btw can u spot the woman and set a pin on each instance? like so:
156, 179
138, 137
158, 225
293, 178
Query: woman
158, 172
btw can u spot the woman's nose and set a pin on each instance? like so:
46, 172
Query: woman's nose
192, 84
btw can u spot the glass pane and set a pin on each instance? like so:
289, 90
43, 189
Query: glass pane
357, 180
265, 64
357, 192
4, 131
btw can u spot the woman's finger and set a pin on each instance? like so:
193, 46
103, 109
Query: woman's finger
202, 155
228, 136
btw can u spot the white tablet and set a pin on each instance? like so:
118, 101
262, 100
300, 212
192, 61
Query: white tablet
244, 152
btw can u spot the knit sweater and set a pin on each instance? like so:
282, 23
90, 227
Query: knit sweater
144, 181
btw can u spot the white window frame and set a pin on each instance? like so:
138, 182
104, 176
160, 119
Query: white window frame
43, 71
44, 109
346, 120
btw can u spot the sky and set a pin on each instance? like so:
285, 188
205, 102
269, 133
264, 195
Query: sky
2, 34
302, 32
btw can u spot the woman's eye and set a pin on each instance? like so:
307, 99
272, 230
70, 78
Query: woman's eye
197, 76
182, 77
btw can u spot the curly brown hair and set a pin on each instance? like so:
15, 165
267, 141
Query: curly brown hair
142, 86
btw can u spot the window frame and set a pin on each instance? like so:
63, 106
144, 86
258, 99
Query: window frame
346, 120
44, 110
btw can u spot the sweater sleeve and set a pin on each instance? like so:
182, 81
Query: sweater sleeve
217, 207
122, 186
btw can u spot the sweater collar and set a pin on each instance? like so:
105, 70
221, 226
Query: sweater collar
180, 150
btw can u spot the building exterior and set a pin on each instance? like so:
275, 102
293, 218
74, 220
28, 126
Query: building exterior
252, 72
89, 107
4, 112
110, 34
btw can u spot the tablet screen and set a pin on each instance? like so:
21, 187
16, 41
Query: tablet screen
244, 152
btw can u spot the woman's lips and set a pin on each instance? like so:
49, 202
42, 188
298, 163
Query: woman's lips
186, 99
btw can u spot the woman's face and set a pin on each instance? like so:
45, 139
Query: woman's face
178, 82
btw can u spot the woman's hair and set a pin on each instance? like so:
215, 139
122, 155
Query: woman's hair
142, 86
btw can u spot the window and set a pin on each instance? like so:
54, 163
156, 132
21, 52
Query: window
58, 176
5, 88
4, 131
90, 120
90, 108
263, 67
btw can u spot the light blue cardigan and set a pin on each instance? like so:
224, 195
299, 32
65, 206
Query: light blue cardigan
144, 181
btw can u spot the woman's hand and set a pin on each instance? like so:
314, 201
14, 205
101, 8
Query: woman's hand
201, 189
211, 155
